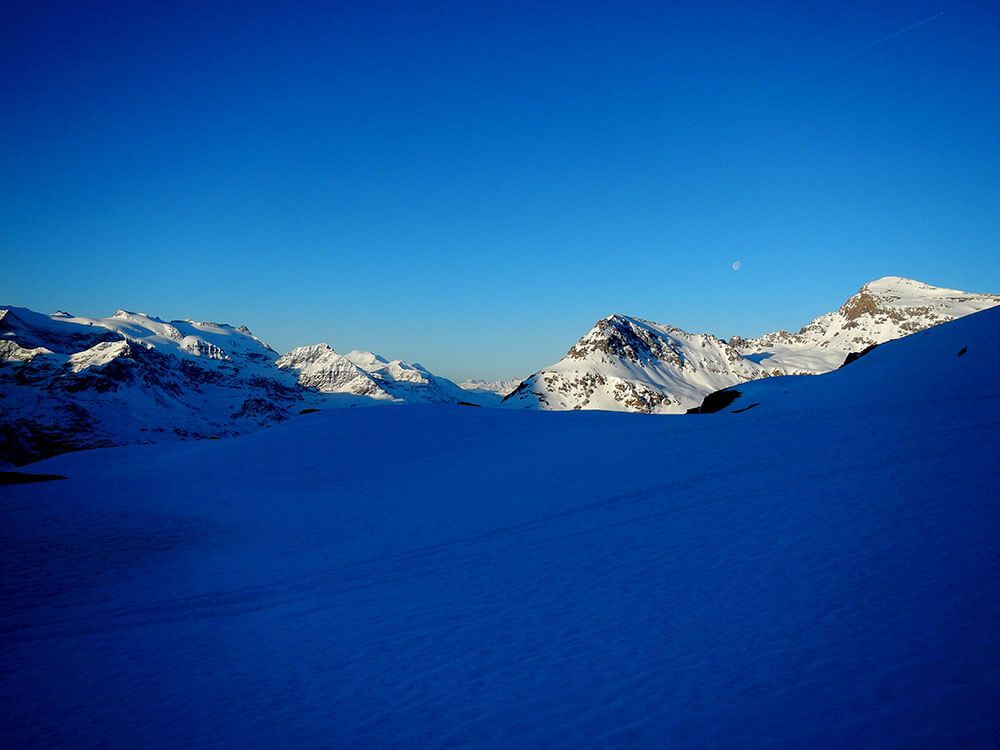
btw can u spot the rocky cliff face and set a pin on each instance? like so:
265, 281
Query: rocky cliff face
628, 364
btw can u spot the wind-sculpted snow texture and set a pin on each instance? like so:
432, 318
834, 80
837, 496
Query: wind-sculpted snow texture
627, 364
820, 571
68, 383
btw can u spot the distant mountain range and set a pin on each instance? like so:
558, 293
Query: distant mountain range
499, 387
68, 382
319, 368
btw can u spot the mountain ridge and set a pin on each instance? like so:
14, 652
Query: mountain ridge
629, 364
69, 382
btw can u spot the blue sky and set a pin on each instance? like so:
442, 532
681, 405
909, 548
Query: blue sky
472, 185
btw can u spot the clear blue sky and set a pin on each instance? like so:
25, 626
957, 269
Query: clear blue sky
470, 185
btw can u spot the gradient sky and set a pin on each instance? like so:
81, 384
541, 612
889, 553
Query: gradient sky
471, 185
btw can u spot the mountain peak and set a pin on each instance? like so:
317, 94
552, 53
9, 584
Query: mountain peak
884, 282
900, 285
366, 360
896, 298
139, 317
621, 337
320, 348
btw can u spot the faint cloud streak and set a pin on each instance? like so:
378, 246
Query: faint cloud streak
911, 27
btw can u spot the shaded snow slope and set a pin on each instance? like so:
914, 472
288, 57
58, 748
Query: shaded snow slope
628, 364
69, 382
820, 576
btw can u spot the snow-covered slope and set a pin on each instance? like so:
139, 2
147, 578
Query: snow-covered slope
932, 368
627, 364
882, 310
826, 575
70, 382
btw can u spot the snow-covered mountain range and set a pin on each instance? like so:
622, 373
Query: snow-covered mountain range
628, 364
69, 382
361, 373
489, 392
499, 387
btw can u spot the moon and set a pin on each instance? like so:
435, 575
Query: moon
737, 265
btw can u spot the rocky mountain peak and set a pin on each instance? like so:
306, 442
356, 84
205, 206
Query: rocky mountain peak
309, 352
893, 306
624, 338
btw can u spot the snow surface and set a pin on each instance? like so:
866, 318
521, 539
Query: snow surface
823, 573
